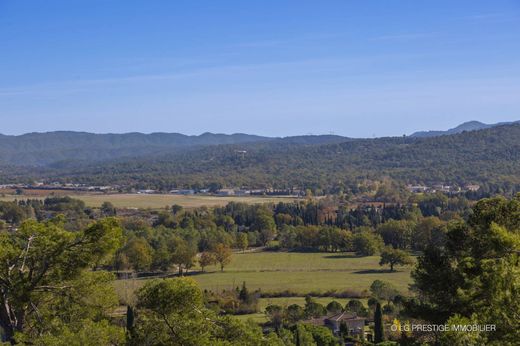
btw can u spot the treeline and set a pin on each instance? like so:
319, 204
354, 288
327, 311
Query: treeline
183, 238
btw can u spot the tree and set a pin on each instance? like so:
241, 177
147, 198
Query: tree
222, 255
367, 243
356, 306
108, 209
182, 253
334, 307
477, 270
264, 223
40, 262
393, 257
176, 209
397, 233
244, 294
206, 259
379, 332
295, 313
139, 253
343, 331
242, 241
429, 231
275, 314
322, 335
314, 309
130, 321
302, 336
383, 290
171, 312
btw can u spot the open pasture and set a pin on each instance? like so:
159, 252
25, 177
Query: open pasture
301, 273
144, 201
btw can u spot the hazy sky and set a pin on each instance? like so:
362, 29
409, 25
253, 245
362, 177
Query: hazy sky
355, 68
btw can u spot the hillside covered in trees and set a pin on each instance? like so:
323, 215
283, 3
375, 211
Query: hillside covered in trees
489, 157
486, 157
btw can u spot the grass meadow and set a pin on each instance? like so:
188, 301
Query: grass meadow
148, 201
301, 273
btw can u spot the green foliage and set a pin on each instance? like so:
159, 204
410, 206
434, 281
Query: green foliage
476, 274
222, 255
40, 263
383, 290
334, 307
367, 243
171, 312
393, 257
313, 309
322, 335
356, 306
42, 267
89, 333
379, 332
397, 233
139, 253
303, 337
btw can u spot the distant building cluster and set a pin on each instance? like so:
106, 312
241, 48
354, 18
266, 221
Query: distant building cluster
442, 188
60, 186
236, 191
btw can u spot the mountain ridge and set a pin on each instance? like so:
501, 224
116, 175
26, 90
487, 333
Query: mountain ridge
472, 125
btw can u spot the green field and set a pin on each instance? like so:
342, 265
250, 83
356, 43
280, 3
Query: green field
298, 272
152, 201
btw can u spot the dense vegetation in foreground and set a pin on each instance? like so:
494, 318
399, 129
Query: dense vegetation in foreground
58, 259
487, 157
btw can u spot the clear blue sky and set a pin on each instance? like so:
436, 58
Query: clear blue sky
355, 68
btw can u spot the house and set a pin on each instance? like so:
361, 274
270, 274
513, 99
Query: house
417, 188
355, 324
182, 192
146, 191
472, 187
242, 192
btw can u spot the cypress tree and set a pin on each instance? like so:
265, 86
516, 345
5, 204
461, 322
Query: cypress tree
379, 333
244, 294
130, 321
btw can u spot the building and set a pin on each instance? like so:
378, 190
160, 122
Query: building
417, 188
355, 324
182, 192
146, 192
226, 192
472, 187
242, 192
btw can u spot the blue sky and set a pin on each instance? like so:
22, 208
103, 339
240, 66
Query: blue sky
355, 68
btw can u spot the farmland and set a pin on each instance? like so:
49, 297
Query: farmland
300, 273
145, 201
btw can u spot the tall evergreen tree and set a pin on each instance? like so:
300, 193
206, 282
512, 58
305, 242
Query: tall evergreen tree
244, 293
130, 320
379, 333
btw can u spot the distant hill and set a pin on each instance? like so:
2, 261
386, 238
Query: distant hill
489, 157
467, 126
42, 149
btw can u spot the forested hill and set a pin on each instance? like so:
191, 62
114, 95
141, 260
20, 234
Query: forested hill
41, 149
467, 126
490, 156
